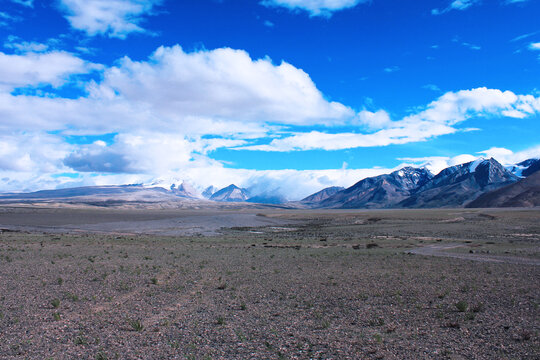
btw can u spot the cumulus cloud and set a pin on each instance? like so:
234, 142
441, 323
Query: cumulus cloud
112, 18
314, 7
220, 84
222, 92
439, 118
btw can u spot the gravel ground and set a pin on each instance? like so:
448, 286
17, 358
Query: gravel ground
335, 285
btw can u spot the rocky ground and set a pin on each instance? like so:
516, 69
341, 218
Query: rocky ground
323, 285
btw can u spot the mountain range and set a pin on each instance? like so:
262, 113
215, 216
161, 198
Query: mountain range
481, 183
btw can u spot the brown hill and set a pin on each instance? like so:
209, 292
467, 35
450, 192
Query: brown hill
524, 193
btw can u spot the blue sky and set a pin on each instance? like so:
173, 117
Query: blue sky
275, 95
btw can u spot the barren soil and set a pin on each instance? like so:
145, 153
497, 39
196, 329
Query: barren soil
271, 284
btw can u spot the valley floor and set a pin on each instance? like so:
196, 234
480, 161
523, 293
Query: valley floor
270, 284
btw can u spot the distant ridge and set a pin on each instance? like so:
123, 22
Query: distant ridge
472, 184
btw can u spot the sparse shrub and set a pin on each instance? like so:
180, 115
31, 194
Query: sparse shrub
462, 306
136, 325
72, 297
154, 280
60, 281
55, 303
56, 316
80, 340
220, 320
101, 356
325, 324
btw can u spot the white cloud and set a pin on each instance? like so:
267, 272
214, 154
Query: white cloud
32, 69
221, 84
374, 120
534, 46
30, 152
456, 5
439, 118
113, 18
524, 36
432, 87
314, 7
505, 156
222, 92
391, 69
508, 157
471, 46
25, 46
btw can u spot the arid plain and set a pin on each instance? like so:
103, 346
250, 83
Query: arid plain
269, 284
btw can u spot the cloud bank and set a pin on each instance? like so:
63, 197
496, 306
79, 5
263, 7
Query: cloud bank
167, 114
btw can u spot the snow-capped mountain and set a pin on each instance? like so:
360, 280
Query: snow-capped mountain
458, 185
380, 191
525, 168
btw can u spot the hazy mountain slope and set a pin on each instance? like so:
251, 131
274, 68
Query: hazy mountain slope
185, 190
84, 191
230, 193
460, 184
524, 193
322, 195
209, 191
